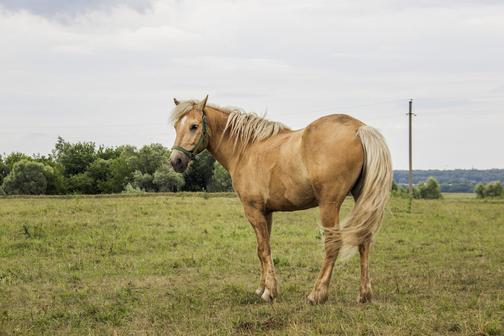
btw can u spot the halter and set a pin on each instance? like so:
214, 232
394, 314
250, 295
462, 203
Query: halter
202, 142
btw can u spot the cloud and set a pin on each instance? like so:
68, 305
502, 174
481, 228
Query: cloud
61, 8
112, 64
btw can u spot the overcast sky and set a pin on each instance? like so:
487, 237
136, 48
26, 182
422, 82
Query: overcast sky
107, 70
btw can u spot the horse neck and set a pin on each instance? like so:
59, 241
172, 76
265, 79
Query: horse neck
221, 147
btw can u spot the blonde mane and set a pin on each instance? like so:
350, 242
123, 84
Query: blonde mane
245, 127
181, 109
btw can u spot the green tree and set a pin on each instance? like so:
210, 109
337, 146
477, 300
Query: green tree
107, 153
221, 180
428, 189
3, 169
166, 179
198, 175
150, 158
81, 183
111, 175
13, 158
56, 181
101, 174
74, 158
127, 151
121, 172
2, 192
27, 178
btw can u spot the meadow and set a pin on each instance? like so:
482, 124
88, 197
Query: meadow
186, 264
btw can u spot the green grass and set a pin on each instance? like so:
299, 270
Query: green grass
187, 265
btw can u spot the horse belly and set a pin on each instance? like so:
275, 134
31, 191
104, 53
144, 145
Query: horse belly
289, 197
290, 187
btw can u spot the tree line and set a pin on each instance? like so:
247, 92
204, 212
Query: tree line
84, 168
456, 180
431, 189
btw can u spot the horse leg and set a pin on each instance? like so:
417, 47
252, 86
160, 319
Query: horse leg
329, 216
259, 291
365, 292
261, 223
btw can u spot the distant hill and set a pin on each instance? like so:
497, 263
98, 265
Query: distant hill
457, 180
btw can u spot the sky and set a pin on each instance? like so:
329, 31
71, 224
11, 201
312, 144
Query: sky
107, 70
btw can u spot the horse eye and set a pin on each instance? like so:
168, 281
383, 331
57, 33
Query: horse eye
194, 127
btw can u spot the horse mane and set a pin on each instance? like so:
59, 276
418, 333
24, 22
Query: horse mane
245, 127
181, 109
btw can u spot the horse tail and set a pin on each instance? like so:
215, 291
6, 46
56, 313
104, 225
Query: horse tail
366, 216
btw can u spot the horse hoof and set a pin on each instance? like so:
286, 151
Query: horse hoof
267, 296
259, 291
317, 297
364, 297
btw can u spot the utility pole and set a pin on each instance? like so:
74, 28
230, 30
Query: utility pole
410, 173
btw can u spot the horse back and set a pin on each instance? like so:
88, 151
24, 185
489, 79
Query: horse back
294, 169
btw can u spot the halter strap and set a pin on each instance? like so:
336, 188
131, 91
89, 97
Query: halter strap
202, 142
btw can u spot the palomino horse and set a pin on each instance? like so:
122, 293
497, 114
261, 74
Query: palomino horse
274, 168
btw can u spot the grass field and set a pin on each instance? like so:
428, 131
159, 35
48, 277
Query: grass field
187, 265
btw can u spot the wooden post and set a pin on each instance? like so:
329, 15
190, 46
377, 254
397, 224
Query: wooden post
410, 173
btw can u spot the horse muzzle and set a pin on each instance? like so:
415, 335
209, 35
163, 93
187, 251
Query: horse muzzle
179, 161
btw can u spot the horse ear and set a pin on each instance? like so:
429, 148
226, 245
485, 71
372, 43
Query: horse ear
203, 102
176, 101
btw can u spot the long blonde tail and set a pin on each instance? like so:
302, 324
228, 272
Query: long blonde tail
366, 216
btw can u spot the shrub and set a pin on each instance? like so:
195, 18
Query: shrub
27, 178
394, 187
491, 189
2, 192
399, 190
429, 189
166, 179
143, 181
479, 189
130, 189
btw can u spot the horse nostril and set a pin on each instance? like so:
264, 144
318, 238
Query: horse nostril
178, 161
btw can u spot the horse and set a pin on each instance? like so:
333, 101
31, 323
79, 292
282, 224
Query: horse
274, 168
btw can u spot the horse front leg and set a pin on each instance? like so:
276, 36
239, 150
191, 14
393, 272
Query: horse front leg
261, 223
262, 283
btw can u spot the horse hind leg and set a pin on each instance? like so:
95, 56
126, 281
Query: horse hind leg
329, 216
365, 292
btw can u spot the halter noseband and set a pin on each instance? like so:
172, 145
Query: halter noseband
202, 142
